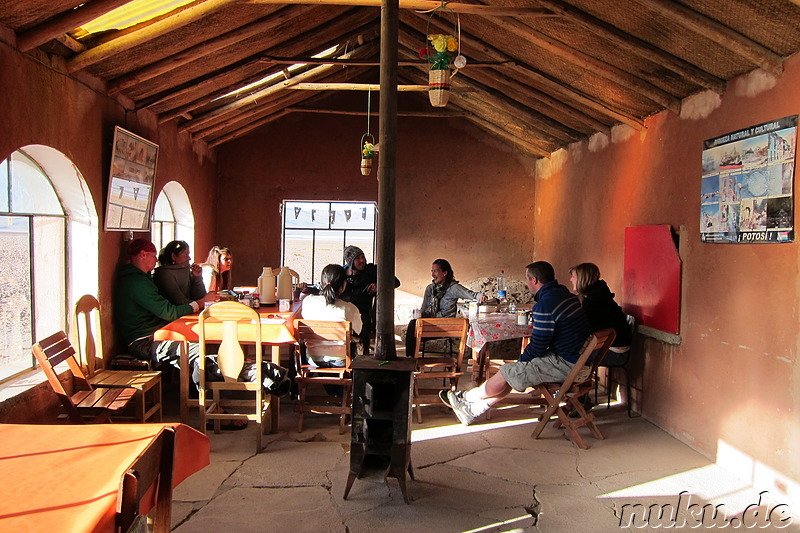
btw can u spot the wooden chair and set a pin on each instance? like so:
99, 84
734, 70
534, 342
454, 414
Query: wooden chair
559, 396
87, 404
230, 358
87, 336
317, 338
448, 368
152, 468
615, 359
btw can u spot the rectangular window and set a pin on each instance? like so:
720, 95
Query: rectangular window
16, 325
316, 233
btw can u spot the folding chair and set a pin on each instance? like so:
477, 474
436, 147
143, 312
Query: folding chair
448, 369
612, 360
87, 337
235, 317
567, 394
319, 338
89, 403
152, 468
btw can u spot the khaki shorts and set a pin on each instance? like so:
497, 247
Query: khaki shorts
546, 369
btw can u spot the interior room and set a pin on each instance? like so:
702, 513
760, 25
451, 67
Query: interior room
571, 123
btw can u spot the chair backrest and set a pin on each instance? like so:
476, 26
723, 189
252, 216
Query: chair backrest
442, 328
323, 337
603, 340
51, 352
86, 334
153, 467
238, 322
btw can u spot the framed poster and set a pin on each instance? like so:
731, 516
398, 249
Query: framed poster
130, 183
747, 187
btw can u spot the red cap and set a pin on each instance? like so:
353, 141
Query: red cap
138, 246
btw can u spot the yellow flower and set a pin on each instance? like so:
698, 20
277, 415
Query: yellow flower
442, 43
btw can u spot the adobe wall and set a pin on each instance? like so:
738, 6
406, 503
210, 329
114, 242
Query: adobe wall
730, 388
40, 105
461, 194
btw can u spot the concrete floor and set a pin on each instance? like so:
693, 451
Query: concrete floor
487, 477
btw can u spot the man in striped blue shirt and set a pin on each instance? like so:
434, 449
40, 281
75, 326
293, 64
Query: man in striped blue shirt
560, 329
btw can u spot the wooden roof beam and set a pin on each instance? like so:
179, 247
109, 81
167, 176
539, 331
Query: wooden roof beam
510, 138
65, 22
549, 85
724, 36
426, 5
270, 22
439, 113
130, 40
595, 66
635, 45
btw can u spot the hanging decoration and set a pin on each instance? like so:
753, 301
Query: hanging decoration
439, 50
363, 213
332, 217
367, 144
347, 214
297, 212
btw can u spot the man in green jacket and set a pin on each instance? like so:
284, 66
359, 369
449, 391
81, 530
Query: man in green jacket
139, 310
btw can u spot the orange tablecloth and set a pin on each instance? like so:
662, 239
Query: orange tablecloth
66, 478
276, 329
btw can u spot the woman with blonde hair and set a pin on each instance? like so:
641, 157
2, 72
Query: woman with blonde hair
217, 269
598, 302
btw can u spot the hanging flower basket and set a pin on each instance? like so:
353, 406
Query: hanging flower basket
444, 46
367, 153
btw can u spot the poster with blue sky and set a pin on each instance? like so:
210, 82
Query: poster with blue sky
746, 192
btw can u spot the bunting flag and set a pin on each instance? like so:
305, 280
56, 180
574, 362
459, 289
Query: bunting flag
347, 214
313, 215
363, 213
331, 217
297, 212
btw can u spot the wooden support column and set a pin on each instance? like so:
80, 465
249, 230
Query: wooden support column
384, 327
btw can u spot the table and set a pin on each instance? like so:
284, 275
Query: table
186, 329
489, 327
66, 478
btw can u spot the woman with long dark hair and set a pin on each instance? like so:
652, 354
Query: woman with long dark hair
440, 299
177, 280
328, 305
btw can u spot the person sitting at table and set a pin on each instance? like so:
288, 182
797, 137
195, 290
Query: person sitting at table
139, 308
440, 299
217, 270
560, 329
328, 305
362, 286
603, 312
177, 280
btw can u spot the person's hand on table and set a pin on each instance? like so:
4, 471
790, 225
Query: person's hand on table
212, 297
197, 270
481, 298
372, 288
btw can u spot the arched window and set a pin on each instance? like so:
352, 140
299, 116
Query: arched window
48, 229
173, 218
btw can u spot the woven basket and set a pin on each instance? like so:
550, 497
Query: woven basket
439, 87
366, 166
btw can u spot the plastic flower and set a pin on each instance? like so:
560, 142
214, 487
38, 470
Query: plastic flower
444, 46
369, 150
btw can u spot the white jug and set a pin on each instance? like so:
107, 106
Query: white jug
266, 286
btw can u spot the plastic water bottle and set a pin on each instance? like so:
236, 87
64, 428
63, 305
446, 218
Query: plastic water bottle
502, 288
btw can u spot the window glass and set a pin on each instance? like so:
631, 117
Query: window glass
31, 191
316, 233
49, 276
162, 229
16, 329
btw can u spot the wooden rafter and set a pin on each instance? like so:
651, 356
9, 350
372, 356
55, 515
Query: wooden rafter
425, 5
67, 21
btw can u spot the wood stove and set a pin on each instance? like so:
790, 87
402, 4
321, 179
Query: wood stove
381, 430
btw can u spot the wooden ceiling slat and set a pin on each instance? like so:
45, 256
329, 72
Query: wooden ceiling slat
66, 21
625, 80
636, 46
264, 25
426, 5
126, 42
726, 37
511, 139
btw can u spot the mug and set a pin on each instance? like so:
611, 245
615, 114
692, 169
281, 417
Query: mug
283, 306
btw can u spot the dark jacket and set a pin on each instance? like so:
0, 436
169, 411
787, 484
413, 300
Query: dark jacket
176, 284
604, 312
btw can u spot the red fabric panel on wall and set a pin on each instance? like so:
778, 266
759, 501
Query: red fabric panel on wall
652, 280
